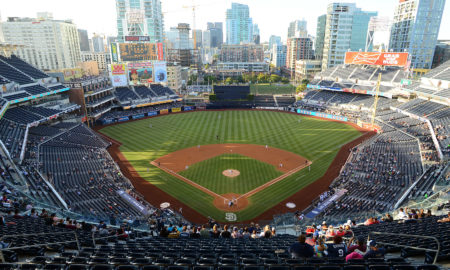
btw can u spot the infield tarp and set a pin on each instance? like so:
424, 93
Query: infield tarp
323, 115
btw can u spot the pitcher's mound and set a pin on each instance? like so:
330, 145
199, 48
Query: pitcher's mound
223, 202
231, 173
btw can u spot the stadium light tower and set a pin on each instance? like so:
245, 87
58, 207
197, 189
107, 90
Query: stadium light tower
376, 25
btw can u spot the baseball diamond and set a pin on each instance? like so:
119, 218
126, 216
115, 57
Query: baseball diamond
182, 157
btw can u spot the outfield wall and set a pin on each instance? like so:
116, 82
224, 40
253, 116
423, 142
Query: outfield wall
135, 116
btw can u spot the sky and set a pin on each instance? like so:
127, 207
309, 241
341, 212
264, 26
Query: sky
272, 16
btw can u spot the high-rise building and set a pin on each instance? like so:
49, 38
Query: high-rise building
346, 29
256, 35
206, 39
197, 36
239, 24
242, 53
320, 36
298, 29
298, 49
48, 44
216, 33
109, 40
441, 53
98, 45
84, 40
103, 59
415, 30
140, 18
279, 55
274, 40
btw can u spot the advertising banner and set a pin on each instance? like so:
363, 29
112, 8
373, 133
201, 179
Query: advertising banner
152, 113
376, 58
140, 73
323, 115
165, 111
123, 119
72, 73
160, 72
118, 69
114, 53
137, 38
108, 121
176, 109
138, 51
119, 80
188, 108
138, 116
160, 51
139, 206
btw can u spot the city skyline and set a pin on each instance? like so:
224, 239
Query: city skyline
87, 16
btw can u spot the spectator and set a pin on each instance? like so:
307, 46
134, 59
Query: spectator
245, 233
402, 214
360, 245
215, 233
184, 233
445, 219
330, 232
387, 218
337, 249
301, 249
236, 233
204, 233
164, 233
225, 233
321, 249
195, 233
16, 214
374, 251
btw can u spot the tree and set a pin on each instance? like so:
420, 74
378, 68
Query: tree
192, 79
285, 80
305, 81
228, 80
300, 88
275, 78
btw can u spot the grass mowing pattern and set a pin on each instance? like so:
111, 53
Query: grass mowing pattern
315, 139
208, 173
272, 89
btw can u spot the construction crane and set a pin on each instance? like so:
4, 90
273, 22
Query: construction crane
194, 32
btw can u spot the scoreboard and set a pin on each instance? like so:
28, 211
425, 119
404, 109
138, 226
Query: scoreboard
138, 51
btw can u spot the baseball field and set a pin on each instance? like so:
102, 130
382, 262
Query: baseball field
231, 165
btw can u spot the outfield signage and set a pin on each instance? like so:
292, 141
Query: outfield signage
188, 108
138, 116
108, 121
123, 119
165, 111
137, 38
152, 113
176, 109
323, 115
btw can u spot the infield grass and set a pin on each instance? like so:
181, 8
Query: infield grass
253, 173
315, 139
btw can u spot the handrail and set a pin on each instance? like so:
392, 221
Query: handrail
411, 247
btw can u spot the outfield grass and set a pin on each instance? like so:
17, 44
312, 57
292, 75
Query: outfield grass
272, 89
315, 139
208, 173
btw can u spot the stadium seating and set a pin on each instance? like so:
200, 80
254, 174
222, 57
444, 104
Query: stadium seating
24, 67
16, 96
13, 74
125, 94
36, 89
161, 90
144, 92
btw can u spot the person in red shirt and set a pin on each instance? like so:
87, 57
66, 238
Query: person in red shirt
310, 230
369, 221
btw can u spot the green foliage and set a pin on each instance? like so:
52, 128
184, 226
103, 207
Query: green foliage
305, 81
212, 97
275, 78
285, 80
300, 88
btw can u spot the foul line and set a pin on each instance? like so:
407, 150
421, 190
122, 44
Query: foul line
169, 171
246, 195
273, 181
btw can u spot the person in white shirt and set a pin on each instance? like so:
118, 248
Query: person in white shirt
402, 214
